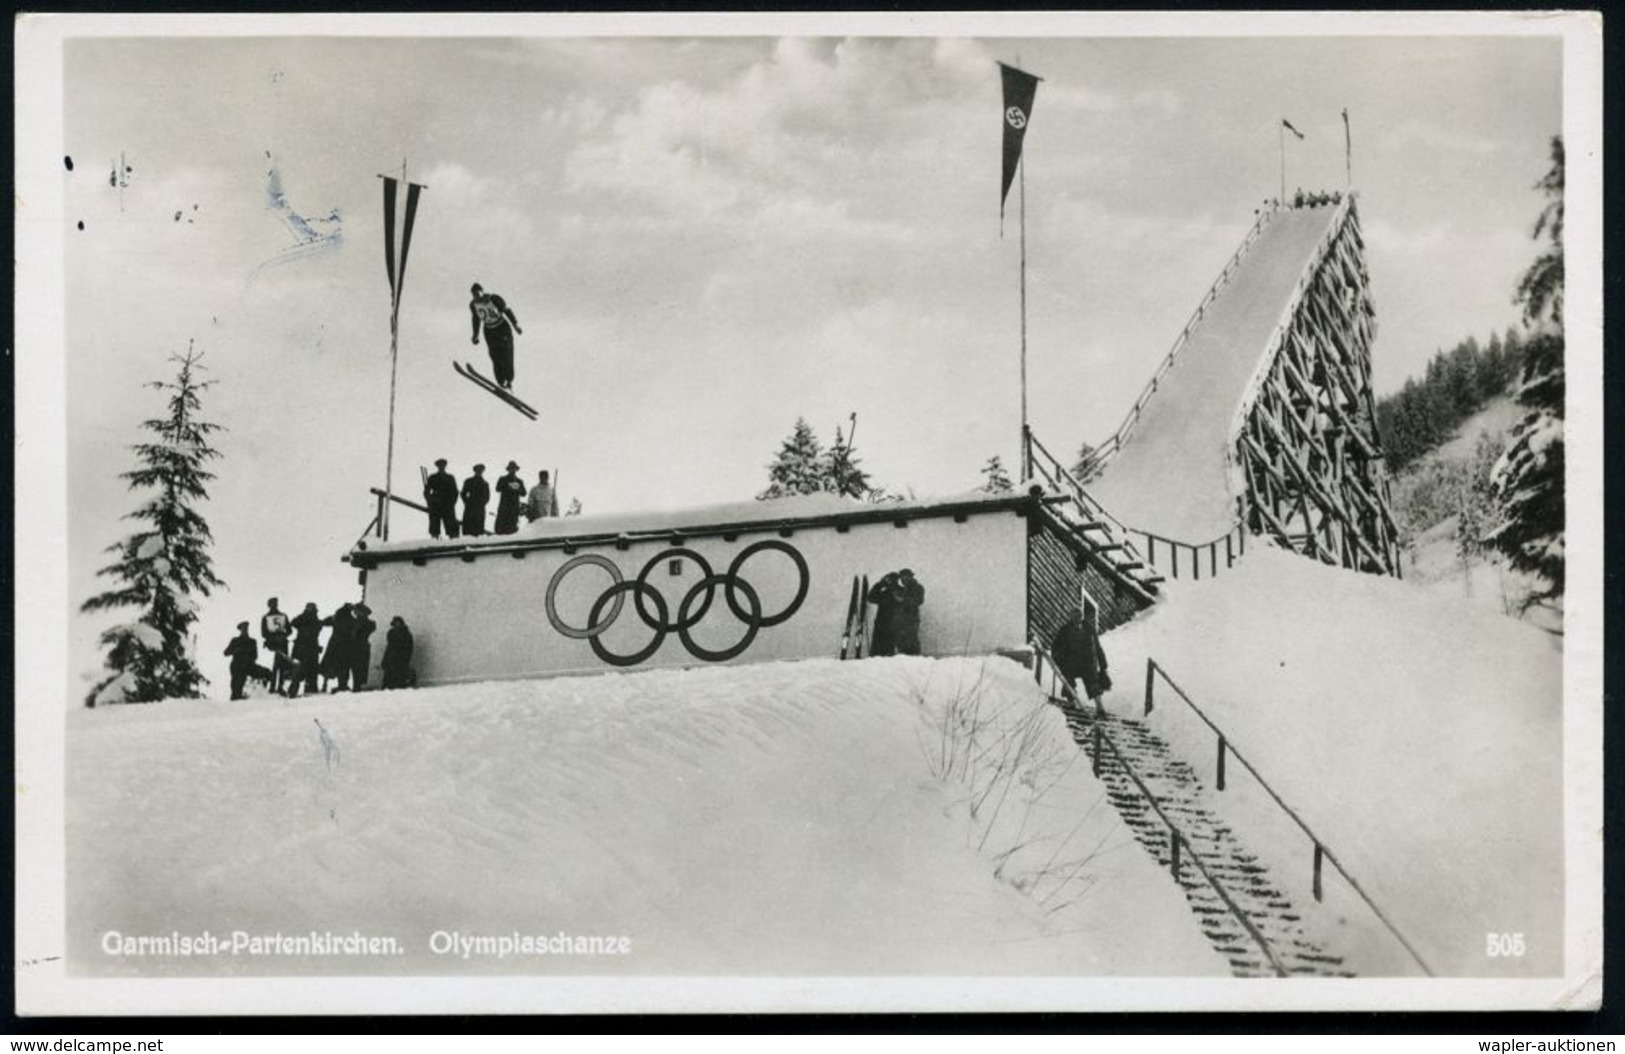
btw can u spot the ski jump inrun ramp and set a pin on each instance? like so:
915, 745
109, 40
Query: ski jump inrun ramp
1263, 411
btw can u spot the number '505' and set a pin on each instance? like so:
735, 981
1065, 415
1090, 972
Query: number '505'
1503, 945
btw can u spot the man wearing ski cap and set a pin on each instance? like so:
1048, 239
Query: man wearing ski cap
274, 629
489, 312
242, 651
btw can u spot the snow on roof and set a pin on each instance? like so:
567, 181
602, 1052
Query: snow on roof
800, 508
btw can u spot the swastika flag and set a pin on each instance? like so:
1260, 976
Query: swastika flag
1019, 89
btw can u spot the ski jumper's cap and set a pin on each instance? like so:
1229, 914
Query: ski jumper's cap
440, 462
271, 602
479, 468
242, 625
513, 466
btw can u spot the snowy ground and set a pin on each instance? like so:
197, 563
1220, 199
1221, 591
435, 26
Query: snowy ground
789, 818
1418, 735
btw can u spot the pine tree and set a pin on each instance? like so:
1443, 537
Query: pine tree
1528, 479
995, 480
163, 566
799, 468
842, 474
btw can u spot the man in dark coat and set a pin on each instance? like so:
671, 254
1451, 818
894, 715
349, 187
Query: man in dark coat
883, 595
243, 652
476, 493
307, 645
1079, 656
397, 662
336, 660
510, 491
274, 631
909, 596
440, 494
491, 313
361, 646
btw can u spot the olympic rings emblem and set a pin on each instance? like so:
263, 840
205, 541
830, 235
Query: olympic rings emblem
688, 614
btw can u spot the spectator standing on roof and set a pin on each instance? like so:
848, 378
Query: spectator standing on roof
440, 494
510, 490
543, 500
476, 494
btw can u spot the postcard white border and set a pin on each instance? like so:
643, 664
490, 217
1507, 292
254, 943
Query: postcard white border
43, 987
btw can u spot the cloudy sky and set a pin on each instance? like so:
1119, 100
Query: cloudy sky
705, 237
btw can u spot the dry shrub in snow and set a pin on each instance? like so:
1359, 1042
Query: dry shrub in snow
1007, 753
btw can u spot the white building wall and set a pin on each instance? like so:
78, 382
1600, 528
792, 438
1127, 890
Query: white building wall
488, 618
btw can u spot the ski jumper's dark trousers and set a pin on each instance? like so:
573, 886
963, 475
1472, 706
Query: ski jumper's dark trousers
499, 341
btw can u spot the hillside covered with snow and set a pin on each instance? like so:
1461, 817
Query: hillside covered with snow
1419, 736
898, 816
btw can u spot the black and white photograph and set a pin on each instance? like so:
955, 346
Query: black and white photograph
808, 512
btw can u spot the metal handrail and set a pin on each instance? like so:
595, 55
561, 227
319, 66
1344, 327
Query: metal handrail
1153, 669
1176, 837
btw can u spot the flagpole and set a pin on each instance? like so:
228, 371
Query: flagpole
1025, 453
1280, 131
394, 364
1348, 152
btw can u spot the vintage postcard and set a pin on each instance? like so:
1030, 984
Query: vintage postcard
808, 512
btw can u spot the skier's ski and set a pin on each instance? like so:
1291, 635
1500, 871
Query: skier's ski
851, 620
484, 385
863, 619
506, 393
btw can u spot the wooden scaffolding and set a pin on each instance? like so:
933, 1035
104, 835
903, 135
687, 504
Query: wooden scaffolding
1306, 439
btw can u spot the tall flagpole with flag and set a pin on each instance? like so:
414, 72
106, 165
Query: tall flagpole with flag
1286, 126
397, 277
1019, 89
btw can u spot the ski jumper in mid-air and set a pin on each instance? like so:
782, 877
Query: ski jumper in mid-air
491, 313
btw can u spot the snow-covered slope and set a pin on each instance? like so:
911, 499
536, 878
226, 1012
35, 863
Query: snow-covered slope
790, 818
1417, 735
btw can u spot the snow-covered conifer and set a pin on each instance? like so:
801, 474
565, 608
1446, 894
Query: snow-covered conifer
799, 467
164, 565
1528, 479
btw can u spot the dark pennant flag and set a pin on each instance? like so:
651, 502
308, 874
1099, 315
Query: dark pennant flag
1288, 126
397, 270
1019, 89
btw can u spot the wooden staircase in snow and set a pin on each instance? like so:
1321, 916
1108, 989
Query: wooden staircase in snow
1161, 799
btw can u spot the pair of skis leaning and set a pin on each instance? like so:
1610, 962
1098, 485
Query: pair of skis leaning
480, 380
855, 641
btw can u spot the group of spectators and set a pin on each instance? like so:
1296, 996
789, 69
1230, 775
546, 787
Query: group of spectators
298, 661
440, 494
1311, 200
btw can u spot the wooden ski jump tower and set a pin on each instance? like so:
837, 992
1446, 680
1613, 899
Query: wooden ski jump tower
1261, 418
1306, 442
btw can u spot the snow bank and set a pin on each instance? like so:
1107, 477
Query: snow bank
1418, 735
787, 818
